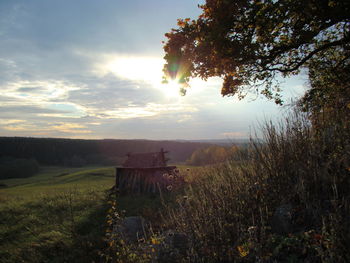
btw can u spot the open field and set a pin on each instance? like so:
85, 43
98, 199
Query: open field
52, 178
59, 215
55, 216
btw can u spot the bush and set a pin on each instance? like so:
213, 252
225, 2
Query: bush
211, 155
17, 168
231, 212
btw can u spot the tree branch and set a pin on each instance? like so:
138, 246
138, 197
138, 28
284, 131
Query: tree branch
310, 55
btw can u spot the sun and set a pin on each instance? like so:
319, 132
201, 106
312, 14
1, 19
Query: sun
172, 88
145, 69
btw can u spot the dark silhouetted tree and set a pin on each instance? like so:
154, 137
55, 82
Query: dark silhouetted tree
250, 43
328, 99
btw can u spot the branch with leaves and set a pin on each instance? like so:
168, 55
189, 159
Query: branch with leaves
250, 43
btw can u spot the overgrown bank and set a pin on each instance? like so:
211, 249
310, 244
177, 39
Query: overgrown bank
288, 202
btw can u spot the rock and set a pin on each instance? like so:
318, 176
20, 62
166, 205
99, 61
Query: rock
132, 228
174, 247
282, 220
176, 240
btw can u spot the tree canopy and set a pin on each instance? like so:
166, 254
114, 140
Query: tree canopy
329, 93
250, 43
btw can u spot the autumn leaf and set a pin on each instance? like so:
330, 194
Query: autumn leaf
243, 251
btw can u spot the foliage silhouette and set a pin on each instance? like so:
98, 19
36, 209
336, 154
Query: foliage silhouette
250, 43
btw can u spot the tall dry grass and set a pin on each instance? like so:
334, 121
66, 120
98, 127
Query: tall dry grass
231, 212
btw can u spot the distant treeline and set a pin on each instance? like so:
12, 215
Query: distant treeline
78, 152
217, 154
17, 168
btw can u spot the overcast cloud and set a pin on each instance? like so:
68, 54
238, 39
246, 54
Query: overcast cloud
92, 69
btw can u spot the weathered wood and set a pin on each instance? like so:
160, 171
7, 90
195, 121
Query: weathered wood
142, 180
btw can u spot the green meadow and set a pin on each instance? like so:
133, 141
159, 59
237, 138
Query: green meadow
57, 215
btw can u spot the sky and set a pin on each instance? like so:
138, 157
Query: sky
92, 69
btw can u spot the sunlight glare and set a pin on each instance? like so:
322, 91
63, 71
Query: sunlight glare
172, 88
147, 69
137, 68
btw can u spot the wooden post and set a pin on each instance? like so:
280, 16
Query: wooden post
116, 181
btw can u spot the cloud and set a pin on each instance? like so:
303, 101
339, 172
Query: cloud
49, 59
184, 118
45, 61
70, 128
126, 26
27, 109
38, 127
149, 110
22, 126
11, 121
108, 91
142, 68
82, 68
31, 89
235, 135
39, 91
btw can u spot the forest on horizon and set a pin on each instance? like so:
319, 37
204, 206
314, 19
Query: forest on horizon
55, 151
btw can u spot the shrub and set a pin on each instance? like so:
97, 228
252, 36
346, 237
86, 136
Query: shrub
229, 212
211, 155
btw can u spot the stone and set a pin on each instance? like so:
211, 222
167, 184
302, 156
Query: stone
132, 228
174, 248
282, 219
176, 240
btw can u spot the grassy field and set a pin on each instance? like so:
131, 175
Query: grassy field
56, 216
59, 215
